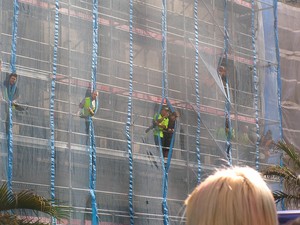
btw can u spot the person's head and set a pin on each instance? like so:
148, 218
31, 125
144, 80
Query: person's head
173, 116
222, 71
232, 196
269, 134
164, 111
13, 78
94, 95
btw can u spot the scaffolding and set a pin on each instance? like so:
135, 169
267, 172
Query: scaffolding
136, 54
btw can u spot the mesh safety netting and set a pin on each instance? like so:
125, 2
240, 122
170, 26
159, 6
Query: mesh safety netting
214, 63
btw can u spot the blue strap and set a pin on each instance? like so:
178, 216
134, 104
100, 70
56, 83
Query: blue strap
93, 168
196, 26
129, 115
52, 97
11, 93
255, 84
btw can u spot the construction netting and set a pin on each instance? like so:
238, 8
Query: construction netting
288, 30
213, 63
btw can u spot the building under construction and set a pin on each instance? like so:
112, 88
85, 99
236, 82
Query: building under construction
140, 55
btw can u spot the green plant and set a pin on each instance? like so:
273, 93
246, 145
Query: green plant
288, 174
23, 202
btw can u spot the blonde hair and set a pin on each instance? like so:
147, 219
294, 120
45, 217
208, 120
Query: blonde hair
234, 196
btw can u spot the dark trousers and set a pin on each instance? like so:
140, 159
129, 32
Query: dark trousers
166, 146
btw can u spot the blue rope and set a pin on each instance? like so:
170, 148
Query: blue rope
164, 49
93, 168
227, 101
52, 97
10, 95
197, 89
92, 173
255, 84
172, 140
164, 97
279, 85
14, 37
165, 169
165, 209
129, 115
10, 147
95, 44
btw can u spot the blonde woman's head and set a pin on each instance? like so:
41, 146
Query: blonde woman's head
233, 196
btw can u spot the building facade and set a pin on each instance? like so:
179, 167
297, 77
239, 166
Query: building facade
200, 37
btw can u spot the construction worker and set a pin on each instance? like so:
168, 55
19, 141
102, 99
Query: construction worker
160, 122
89, 106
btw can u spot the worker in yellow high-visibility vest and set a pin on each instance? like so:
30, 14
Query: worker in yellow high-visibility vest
89, 106
160, 122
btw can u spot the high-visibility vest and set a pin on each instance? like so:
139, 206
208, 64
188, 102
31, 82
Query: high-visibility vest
88, 103
158, 130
